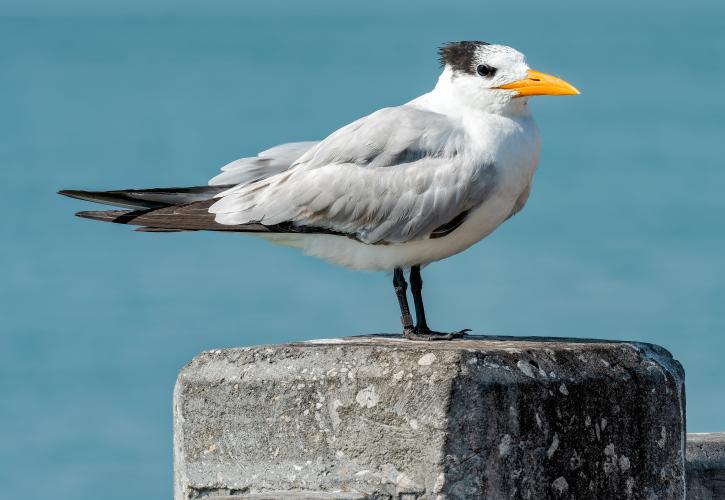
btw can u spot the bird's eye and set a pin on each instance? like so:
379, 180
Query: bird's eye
485, 70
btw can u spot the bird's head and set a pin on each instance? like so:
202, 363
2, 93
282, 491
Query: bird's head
493, 77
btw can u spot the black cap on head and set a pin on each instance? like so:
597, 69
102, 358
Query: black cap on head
459, 55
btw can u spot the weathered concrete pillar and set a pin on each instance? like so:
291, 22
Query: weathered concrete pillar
382, 418
706, 466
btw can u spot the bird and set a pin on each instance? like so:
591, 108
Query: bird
392, 191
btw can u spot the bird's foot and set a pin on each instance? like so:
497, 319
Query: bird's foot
428, 334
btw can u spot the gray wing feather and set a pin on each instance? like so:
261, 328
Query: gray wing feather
388, 137
393, 176
266, 164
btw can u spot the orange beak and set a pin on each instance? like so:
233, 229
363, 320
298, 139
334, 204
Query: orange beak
537, 83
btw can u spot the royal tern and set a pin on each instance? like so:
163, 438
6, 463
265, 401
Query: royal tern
397, 189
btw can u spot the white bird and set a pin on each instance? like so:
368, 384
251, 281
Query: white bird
397, 189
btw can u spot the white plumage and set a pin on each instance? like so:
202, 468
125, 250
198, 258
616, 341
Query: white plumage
391, 178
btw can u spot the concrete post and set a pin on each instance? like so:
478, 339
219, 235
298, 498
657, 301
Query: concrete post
706, 466
377, 417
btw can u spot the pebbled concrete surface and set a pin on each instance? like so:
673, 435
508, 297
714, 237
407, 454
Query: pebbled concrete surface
475, 418
706, 466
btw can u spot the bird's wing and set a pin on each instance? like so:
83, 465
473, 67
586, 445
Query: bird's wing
267, 163
394, 176
147, 198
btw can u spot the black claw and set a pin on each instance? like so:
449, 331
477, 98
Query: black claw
429, 335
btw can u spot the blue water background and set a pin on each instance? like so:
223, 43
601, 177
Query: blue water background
623, 237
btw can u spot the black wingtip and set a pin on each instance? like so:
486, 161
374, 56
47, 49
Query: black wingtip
79, 194
142, 199
71, 193
84, 215
117, 216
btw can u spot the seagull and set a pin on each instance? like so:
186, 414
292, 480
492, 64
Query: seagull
395, 190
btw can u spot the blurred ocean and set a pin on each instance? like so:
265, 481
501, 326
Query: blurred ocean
623, 237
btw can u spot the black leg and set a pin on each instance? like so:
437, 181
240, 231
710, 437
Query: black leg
401, 288
416, 286
421, 330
